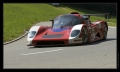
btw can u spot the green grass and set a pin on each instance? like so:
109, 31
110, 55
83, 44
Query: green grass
20, 16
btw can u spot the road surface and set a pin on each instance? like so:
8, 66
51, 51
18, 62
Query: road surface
97, 55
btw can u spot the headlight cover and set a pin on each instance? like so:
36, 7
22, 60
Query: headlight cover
75, 33
32, 34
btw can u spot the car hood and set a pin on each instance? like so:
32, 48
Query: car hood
50, 33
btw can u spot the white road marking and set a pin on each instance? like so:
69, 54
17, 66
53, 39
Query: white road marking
42, 52
111, 27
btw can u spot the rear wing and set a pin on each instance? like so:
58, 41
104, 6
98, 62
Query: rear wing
106, 15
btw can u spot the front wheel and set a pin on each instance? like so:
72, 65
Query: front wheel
84, 35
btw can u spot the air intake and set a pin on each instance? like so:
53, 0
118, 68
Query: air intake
74, 13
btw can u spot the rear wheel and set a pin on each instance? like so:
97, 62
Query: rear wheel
84, 35
105, 31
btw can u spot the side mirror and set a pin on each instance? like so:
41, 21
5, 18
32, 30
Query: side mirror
52, 21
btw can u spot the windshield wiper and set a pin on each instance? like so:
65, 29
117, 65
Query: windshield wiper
61, 26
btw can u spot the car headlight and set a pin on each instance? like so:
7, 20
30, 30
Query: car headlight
75, 33
32, 34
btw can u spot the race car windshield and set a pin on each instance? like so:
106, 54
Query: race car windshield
60, 22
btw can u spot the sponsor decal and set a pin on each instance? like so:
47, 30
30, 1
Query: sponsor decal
59, 30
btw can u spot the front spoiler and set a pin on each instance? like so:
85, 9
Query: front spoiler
57, 45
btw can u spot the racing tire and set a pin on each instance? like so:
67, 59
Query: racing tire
105, 31
84, 35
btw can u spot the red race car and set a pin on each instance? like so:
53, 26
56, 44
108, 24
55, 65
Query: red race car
66, 29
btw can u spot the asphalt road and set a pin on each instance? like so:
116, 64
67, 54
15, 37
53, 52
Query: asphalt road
96, 55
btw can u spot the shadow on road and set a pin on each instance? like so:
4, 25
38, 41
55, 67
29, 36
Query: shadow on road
101, 41
93, 43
